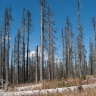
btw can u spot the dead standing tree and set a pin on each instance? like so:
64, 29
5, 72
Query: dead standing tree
80, 41
91, 58
43, 15
1, 56
18, 56
50, 42
15, 60
12, 68
67, 48
23, 46
94, 44
37, 66
6, 43
28, 28
53, 52
94, 28
63, 52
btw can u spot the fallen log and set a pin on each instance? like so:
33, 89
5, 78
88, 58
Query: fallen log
29, 87
46, 91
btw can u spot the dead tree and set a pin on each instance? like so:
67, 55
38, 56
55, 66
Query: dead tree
44, 22
12, 71
94, 43
37, 64
49, 41
75, 58
94, 28
80, 41
67, 49
23, 46
1, 56
63, 50
42, 4
91, 58
53, 51
84, 63
48, 36
18, 56
28, 28
15, 61
6, 43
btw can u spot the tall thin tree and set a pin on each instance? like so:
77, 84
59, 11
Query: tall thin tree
28, 25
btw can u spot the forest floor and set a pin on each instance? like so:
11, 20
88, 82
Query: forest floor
58, 87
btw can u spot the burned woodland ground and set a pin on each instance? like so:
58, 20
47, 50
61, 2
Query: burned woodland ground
58, 83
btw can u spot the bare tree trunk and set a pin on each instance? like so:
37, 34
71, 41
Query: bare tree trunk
4, 48
1, 57
12, 72
42, 39
63, 54
37, 64
80, 40
23, 46
18, 58
28, 33
15, 61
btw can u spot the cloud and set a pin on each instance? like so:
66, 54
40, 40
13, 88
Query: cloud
33, 54
6, 38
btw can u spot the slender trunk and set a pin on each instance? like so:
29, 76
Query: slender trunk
18, 58
37, 64
42, 40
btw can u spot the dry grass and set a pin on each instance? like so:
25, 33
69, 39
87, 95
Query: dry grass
59, 83
88, 92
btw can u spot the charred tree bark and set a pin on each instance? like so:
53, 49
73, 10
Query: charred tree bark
42, 4
37, 64
28, 23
